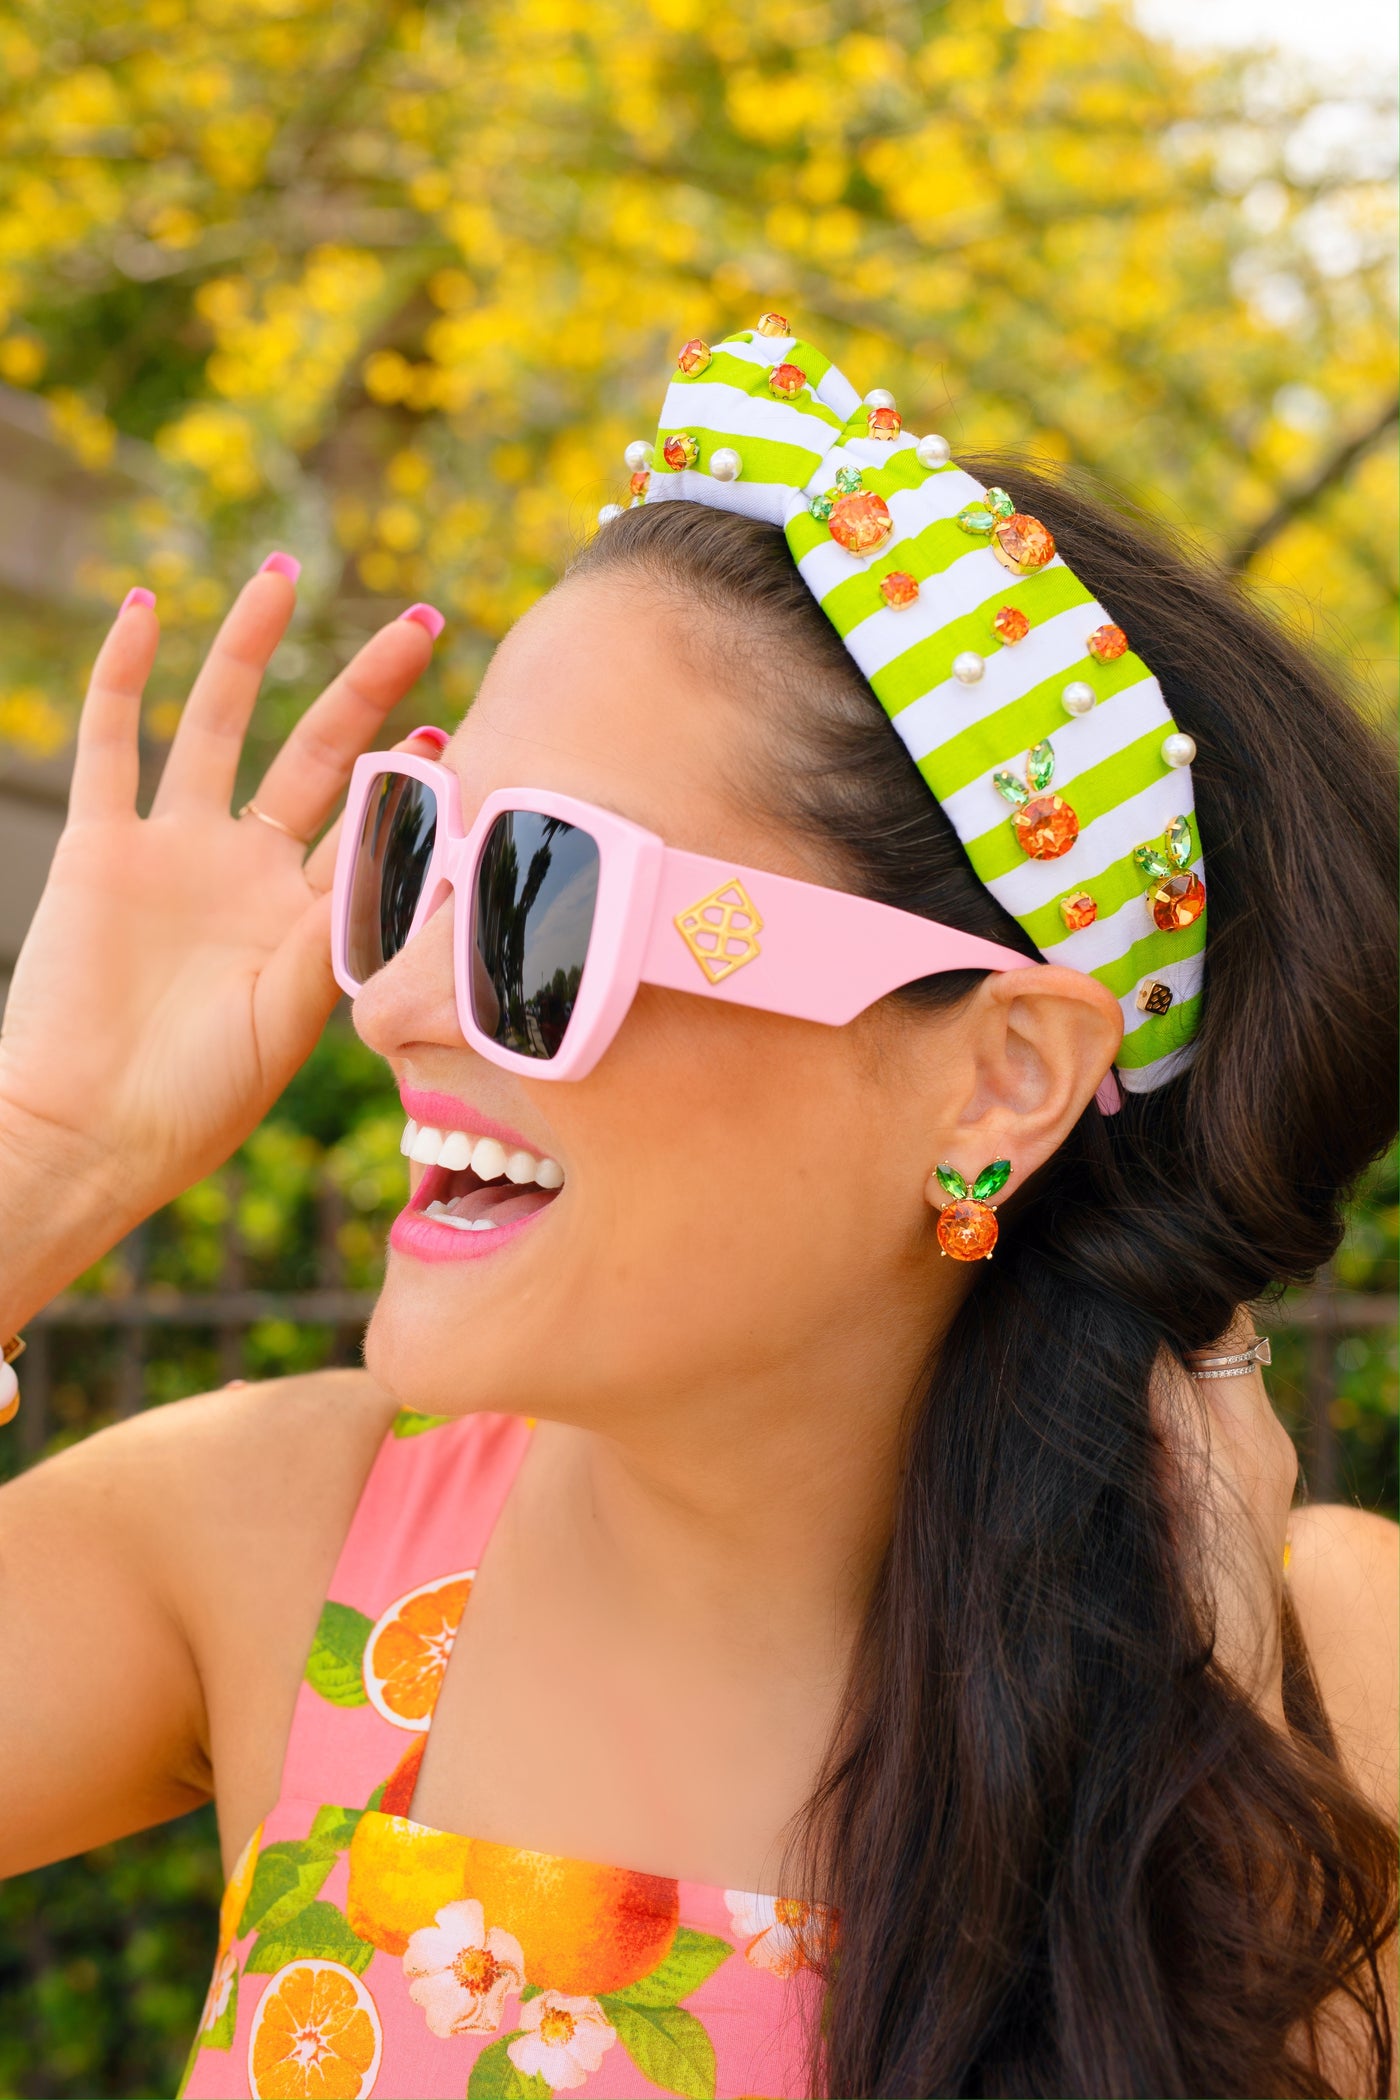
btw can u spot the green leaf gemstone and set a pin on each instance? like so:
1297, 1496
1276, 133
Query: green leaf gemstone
1040, 766
849, 480
1178, 841
991, 1179
1151, 861
820, 508
1006, 783
976, 519
1000, 504
952, 1181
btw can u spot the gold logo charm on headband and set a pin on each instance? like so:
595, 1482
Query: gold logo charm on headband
721, 930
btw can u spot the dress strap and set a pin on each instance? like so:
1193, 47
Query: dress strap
400, 1585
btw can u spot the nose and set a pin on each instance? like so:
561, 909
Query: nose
412, 999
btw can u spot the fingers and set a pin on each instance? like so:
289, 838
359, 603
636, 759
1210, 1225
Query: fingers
309, 773
106, 764
203, 761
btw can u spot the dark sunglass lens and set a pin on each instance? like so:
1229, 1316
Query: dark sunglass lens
396, 845
536, 886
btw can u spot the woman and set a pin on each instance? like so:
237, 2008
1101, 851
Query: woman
910, 1638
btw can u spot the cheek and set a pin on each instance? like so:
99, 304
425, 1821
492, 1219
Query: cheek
730, 1199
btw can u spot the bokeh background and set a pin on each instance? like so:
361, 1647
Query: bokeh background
392, 286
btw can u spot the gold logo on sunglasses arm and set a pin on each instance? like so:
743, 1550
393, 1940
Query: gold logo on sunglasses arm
721, 930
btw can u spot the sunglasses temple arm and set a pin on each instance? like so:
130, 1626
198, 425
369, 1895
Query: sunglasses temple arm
791, 947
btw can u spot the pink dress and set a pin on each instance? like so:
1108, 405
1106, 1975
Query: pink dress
361, 1952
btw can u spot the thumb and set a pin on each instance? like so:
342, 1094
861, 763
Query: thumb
295, 995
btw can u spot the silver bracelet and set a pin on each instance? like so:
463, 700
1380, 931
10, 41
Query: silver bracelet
1241, 1363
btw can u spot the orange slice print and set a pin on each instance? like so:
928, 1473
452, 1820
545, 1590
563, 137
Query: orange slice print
316, 2035
407, 1650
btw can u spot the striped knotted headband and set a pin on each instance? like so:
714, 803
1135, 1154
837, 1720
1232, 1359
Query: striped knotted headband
1044, 737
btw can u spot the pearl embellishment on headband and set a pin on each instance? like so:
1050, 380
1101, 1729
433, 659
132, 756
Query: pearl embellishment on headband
1078, 697
968, 667
725, 464
1178, 749
609, 512
637, 455
879, 397
933, 451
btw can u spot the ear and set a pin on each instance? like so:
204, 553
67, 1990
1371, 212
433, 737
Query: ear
1037, 1044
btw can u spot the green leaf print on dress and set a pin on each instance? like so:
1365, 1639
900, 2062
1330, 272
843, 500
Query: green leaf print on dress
334, 1667
667, 2044
494, 2077
319, 1932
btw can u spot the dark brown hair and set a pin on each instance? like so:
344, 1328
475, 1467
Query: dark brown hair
1069, 1857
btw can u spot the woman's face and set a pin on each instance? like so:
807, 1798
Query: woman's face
743, 1205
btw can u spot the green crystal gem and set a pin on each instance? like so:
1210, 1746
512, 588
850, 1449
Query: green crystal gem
820, 508
952, 1181
1040, 766
1177, 837
1000, 504
976, 519
1151, 861
1006, 783
991, 1179
848, 480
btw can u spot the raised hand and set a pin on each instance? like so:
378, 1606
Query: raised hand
177, 971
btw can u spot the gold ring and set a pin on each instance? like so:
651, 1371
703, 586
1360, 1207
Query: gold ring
250, 809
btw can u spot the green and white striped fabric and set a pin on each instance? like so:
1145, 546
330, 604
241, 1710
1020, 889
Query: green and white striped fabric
1108, 762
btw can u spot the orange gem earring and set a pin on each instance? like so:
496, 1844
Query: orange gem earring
967, 1227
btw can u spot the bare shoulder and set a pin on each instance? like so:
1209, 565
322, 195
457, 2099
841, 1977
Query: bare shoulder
1344, 1577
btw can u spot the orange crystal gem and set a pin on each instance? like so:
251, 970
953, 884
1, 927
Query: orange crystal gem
694, 356
772, 324
1177, 901
680, 451
861, 523
1046, 827
884, 423
1107, 644
899, 588
1011, 624
787, 381
1078, 911
640, 482
1022, 543
967, 1229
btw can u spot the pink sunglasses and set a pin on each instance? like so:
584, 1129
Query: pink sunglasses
568, 908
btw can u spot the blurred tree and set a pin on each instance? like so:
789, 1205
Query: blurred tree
394, 284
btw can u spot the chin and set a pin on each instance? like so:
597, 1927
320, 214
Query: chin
425, 1363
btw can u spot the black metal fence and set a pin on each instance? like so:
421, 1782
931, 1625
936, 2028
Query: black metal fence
1315, 1321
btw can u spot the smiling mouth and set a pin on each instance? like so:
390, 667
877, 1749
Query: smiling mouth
474, 1184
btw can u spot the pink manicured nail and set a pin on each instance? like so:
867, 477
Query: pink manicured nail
282, 565
139, 596
427, 616
438, 738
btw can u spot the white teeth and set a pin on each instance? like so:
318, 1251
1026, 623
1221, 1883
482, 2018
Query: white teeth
426, 1146
456, 1153
488, 1159
456, 1150
446, 1217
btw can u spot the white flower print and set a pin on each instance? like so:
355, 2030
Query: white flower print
461, 1974
224, 1977
563, 2039
778, 1930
